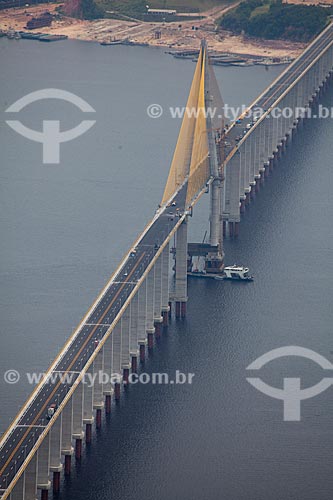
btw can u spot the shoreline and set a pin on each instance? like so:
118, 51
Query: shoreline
172, 37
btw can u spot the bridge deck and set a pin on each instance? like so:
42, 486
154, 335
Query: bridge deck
277, 88
32, 421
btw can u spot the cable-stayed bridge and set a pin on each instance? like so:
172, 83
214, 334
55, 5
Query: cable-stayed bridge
228, 162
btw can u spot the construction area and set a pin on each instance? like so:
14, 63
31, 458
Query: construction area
175, 35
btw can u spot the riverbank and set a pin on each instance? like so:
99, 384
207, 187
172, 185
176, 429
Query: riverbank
166, 35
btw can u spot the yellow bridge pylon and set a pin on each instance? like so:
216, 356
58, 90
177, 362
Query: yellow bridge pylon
191, 150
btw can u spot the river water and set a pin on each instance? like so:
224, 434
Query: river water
65, 227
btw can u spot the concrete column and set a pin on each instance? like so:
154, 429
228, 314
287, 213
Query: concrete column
78, 433
107, 387
43, 472
307, 88
88, 390
247, 159
312, 81
214, 215
256, 164
150, 329
19, 488
252, 153
125, 343
301, 102
232, 189
116, 358
281, 122
181, 269
222, 194
270, 141
262, 157
55, 452
275, 135
158, 297
134, 341
243, 180
30, 484
98, 399
66, 442
165, 285
293, 105
264, 144
142, 313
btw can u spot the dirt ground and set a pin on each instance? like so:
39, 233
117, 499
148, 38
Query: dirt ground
171, 35
310, 2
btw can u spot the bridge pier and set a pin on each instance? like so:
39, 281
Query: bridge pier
126, 343
142, 347
158, 328
88, 416
242, 184
78, 433
150, 336
44, 495
68, 464
98, 399
231, 210
158, 319
150, 329
66, 429
236, 229
56, 482
181, 270
88, 433
142, 311
107, 404
98, 418
126, 372
117, 359
107, 362
267, 140
134, 333
253, 190
165, 306
55, 452
134, 364
18, 490
43, 468
78, 448
30, 483
117, 391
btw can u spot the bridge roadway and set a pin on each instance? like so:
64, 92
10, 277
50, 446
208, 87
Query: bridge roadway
32, 422
276, 89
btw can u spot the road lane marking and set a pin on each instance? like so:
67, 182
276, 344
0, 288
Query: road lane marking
70, 366
309, 56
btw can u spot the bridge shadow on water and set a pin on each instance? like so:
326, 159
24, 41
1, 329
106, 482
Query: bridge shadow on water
218, 437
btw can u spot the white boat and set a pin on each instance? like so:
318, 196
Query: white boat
237, 273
